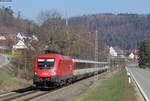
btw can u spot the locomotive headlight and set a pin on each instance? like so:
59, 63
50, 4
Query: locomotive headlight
35, 72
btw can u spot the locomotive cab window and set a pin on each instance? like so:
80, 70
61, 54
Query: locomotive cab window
46, 63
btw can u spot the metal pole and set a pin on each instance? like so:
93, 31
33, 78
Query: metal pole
68, 53
96, 45
96, 52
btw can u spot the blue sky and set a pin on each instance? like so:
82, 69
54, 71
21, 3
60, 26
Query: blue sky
30, 8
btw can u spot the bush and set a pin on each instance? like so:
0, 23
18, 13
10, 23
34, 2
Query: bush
23, 64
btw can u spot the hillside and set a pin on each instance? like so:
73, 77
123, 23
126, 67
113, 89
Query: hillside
9, 81
123, 30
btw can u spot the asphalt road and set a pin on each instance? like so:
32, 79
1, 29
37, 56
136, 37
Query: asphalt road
4, 59
142, 77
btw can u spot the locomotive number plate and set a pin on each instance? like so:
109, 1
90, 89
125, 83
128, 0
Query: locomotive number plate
44, 73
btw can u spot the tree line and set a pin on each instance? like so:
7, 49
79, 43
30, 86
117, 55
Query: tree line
144, 54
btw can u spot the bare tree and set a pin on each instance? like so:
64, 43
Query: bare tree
46, 15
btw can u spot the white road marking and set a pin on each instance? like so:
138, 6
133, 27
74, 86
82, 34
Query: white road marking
140, 88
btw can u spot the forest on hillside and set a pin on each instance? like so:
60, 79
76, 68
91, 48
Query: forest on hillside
122, 30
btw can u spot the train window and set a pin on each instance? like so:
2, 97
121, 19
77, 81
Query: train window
46, 63
50, 60
41, 60
85, 65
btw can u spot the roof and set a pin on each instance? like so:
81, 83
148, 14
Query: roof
134, 51
21, 36
131, 55
8, 37
88, 61
20, 45
2, 38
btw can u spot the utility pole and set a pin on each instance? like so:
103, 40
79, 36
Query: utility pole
96, 45
96, 53
67, 26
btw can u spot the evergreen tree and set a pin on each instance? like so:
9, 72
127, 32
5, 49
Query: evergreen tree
144, 54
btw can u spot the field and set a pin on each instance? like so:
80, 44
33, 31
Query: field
114, 87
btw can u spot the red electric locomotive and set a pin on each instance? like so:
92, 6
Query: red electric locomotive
52, 69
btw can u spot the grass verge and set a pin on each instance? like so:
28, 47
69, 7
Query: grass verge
112, 88
9, 82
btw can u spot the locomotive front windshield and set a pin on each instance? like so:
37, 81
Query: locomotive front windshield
46, 63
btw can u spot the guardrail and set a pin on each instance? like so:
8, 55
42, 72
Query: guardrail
139, 87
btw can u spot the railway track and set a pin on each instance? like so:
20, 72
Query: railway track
29, 95
37, 94
10, 96
25, 96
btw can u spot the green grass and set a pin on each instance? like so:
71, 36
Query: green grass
9, 82
5, 73
113, 88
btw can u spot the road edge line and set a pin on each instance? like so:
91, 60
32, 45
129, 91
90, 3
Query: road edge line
139, 87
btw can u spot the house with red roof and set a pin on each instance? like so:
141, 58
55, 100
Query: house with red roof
132, 53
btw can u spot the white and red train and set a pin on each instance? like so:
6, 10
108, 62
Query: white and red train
56, 70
